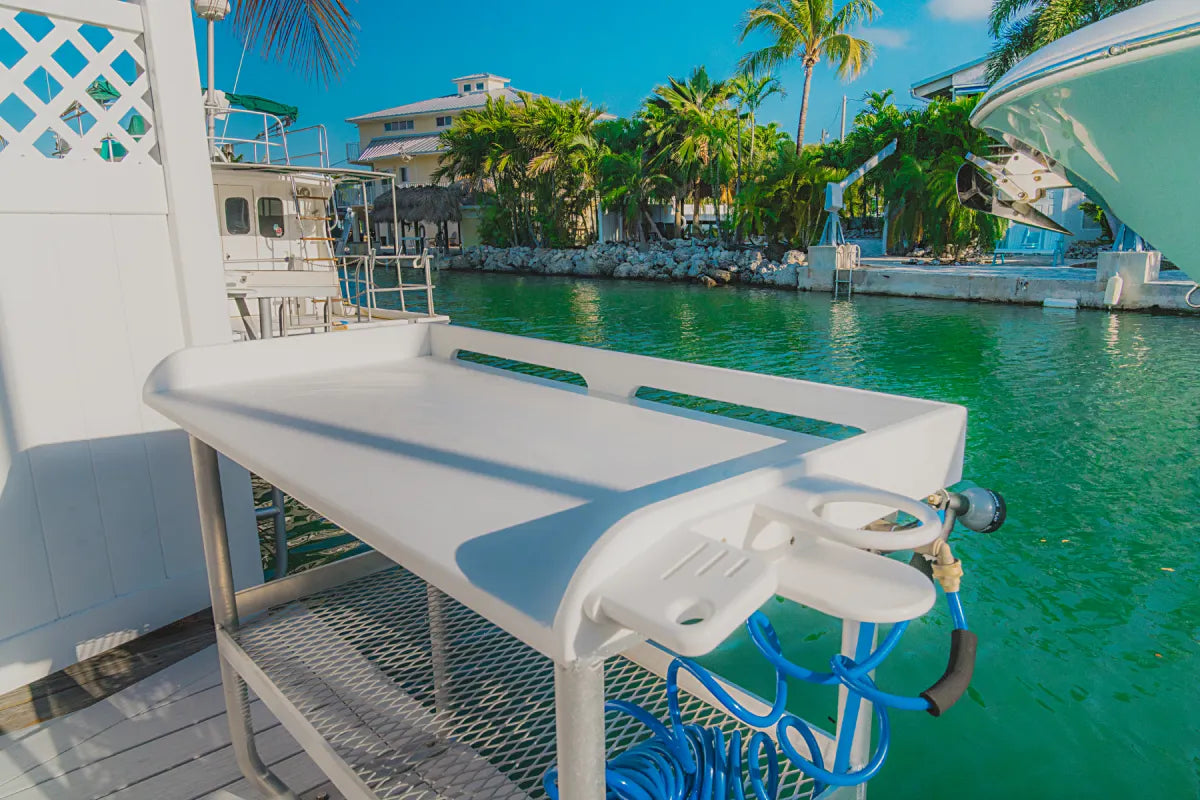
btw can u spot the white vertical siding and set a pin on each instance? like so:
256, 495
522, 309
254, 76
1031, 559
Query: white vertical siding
105, 268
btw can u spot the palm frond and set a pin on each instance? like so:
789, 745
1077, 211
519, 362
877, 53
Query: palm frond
774, 17
850, 54
1006, 12
1015, 42
855, 12
317, 36
766, 59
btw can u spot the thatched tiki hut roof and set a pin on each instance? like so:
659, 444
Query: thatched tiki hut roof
420, 204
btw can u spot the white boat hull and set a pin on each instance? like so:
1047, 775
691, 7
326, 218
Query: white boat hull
1114, 105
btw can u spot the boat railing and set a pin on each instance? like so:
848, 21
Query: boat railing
266, 147
259, 137
361, 291
318, 157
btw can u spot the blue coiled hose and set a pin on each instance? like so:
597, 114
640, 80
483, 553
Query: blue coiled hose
691, 762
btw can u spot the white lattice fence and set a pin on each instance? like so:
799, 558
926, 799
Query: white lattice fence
73, 83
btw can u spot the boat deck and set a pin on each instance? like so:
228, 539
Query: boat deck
164, 738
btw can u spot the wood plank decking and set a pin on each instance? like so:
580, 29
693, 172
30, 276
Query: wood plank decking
163, 738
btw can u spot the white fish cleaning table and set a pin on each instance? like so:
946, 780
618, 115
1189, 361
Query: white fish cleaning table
526, 532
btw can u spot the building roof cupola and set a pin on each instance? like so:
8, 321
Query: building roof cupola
479, 83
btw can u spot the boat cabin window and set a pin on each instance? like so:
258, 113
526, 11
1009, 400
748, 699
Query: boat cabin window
237, 215
270, 217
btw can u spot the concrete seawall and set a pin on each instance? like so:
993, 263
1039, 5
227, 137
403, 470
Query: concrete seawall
1020, 284
1141, 287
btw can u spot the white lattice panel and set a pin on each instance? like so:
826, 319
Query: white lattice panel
48, 62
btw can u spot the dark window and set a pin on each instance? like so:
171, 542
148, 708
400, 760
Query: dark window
466, 87
479, 86
399, 125
270, 217
237, 215
444, 122
402, 173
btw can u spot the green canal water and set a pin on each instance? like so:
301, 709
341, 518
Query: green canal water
1086, 603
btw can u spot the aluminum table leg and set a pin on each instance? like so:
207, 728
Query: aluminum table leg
224, 604
579, 722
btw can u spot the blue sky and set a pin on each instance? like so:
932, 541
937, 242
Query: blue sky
410, 51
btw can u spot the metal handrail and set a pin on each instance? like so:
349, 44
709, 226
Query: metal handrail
264, 139
322, 152
364, 281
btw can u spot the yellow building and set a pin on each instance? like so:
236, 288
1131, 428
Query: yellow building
403, 140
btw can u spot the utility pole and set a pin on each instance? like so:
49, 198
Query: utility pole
843, 118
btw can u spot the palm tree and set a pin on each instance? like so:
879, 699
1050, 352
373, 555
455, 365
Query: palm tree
688, 128
483, 150
563, 161
315, 36
751, 92
787, 203
878, 102
630, 182
1022, 26
538, 158
807, 30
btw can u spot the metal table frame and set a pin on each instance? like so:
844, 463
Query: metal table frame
573, 729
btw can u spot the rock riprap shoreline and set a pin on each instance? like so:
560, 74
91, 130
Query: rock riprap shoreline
679, 260
683, 261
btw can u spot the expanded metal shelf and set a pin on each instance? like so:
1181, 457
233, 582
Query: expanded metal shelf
422, 698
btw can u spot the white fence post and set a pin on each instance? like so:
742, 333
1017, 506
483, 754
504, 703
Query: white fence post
192, 217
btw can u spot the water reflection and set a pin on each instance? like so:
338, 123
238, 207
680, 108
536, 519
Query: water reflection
585, 313
844, 333
1112, 334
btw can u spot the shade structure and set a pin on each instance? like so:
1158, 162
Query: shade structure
420, 203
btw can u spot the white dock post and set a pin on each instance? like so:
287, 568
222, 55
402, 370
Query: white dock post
579, 723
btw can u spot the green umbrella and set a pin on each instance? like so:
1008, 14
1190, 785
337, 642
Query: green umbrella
112, 150
102, 91
253, 103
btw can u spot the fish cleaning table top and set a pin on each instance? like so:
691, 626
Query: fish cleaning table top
520, 497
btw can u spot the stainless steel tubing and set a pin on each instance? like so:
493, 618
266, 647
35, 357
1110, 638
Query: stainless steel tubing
213, 531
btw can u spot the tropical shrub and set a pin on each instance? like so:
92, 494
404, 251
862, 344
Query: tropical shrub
917, 185
535, 160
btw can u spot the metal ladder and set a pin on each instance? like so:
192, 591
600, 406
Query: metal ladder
849, 259
314, 209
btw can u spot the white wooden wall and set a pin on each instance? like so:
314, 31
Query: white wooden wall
105, 268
